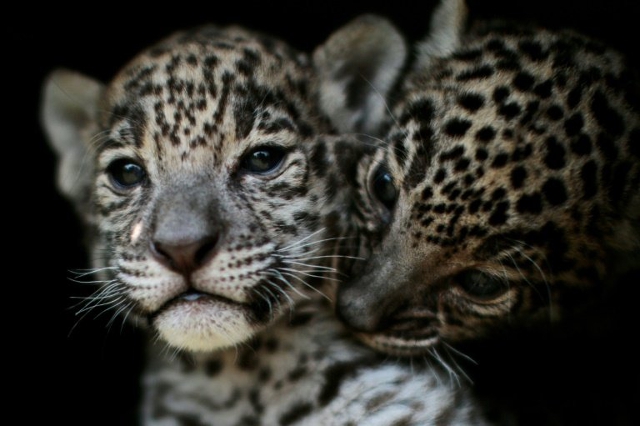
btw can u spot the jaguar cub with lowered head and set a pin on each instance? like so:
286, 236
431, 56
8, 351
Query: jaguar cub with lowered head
509, 187
215, 211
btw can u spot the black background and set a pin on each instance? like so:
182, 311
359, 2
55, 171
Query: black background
84, 372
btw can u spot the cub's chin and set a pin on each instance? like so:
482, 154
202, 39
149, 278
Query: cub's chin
202, 323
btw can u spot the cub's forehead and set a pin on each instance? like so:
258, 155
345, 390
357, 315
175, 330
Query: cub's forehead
201, 54
209, 86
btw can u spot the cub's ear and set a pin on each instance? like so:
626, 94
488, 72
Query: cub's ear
448, 25
68, 113
358, 66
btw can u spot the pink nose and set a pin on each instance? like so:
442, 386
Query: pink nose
184, 256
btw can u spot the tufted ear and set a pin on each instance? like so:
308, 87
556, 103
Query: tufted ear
358, 66
68, 109
448, 24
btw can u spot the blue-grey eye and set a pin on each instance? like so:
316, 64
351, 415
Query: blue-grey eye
125, 173
383, 188
263, 159
481, 285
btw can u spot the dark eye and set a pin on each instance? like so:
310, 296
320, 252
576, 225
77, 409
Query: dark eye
126, 173
481, 285
263, 160
384, 188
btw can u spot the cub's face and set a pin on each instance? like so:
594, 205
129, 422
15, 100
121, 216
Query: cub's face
509, 190
192, 172
212, 201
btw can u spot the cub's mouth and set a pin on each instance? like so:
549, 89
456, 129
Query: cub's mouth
196, 297
406, 333
191, 303
198, 321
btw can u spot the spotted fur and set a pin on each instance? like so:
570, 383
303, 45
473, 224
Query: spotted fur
508, 188
217, 220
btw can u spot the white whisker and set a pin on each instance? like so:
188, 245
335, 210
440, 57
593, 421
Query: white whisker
123, 307
383, 99
314, 267
110, 303
299, 242
307, 285
278, 275
266, 299
81, 273
284, 293
448, 347
333, 256
427, 360
309, 274
126, 316
453, 376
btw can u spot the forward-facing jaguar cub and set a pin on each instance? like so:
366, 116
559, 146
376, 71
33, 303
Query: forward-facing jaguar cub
509, 188
215, 216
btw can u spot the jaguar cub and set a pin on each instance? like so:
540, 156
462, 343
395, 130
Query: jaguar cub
215, 211
509, 188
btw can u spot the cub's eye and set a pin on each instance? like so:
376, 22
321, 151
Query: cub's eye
481, 285
125, 173
383, 188
262, 160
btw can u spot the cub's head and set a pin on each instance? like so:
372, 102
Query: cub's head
211, 201
508, 188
